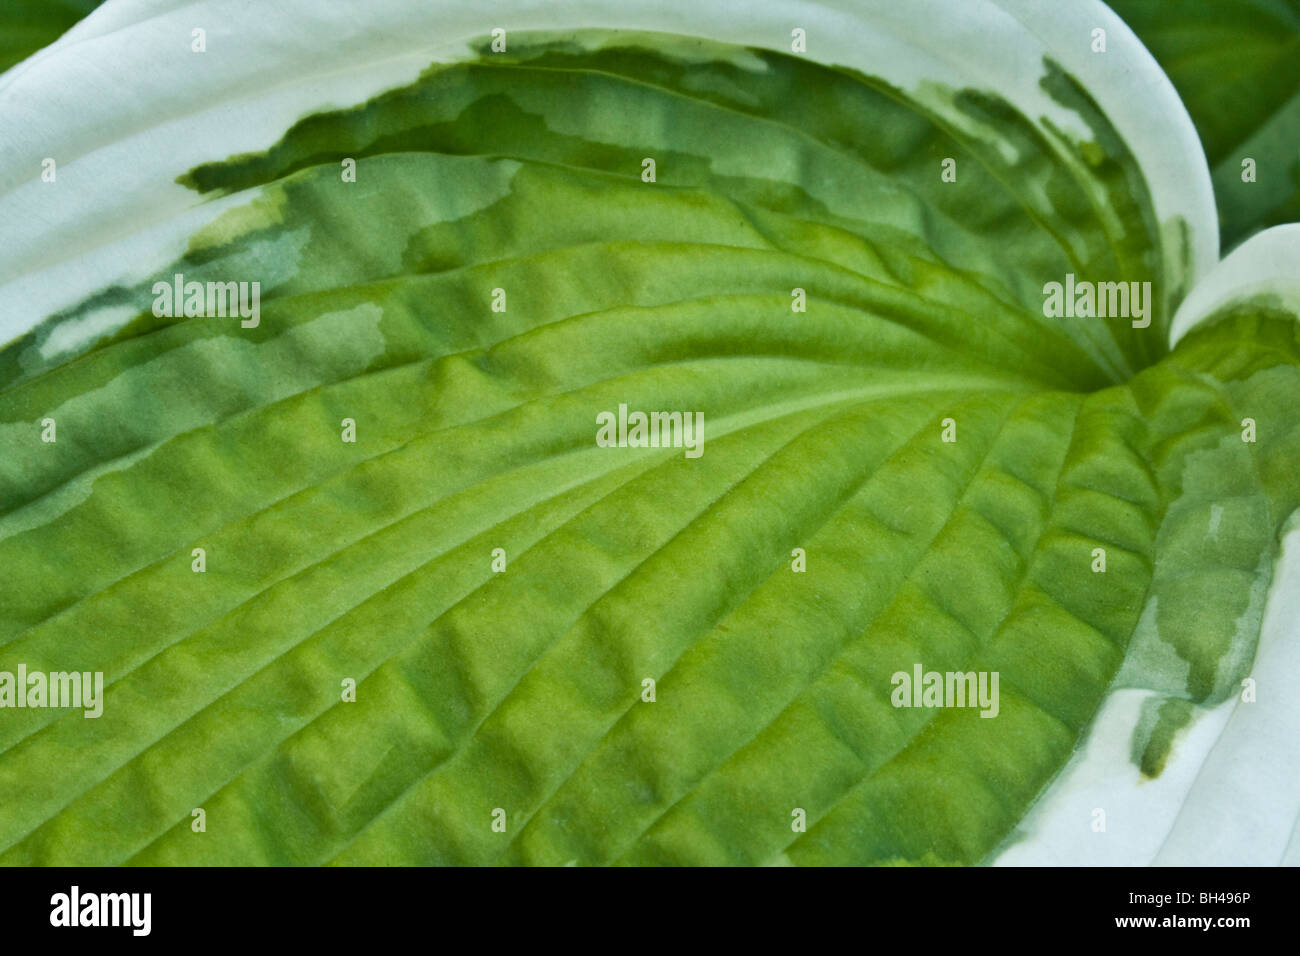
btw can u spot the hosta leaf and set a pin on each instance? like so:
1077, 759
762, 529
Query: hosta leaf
500, 272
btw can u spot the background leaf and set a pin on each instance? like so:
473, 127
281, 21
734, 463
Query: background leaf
28, 25
1236, 64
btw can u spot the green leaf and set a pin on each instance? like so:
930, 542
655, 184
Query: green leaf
522, 689
28, 25
1236, 64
